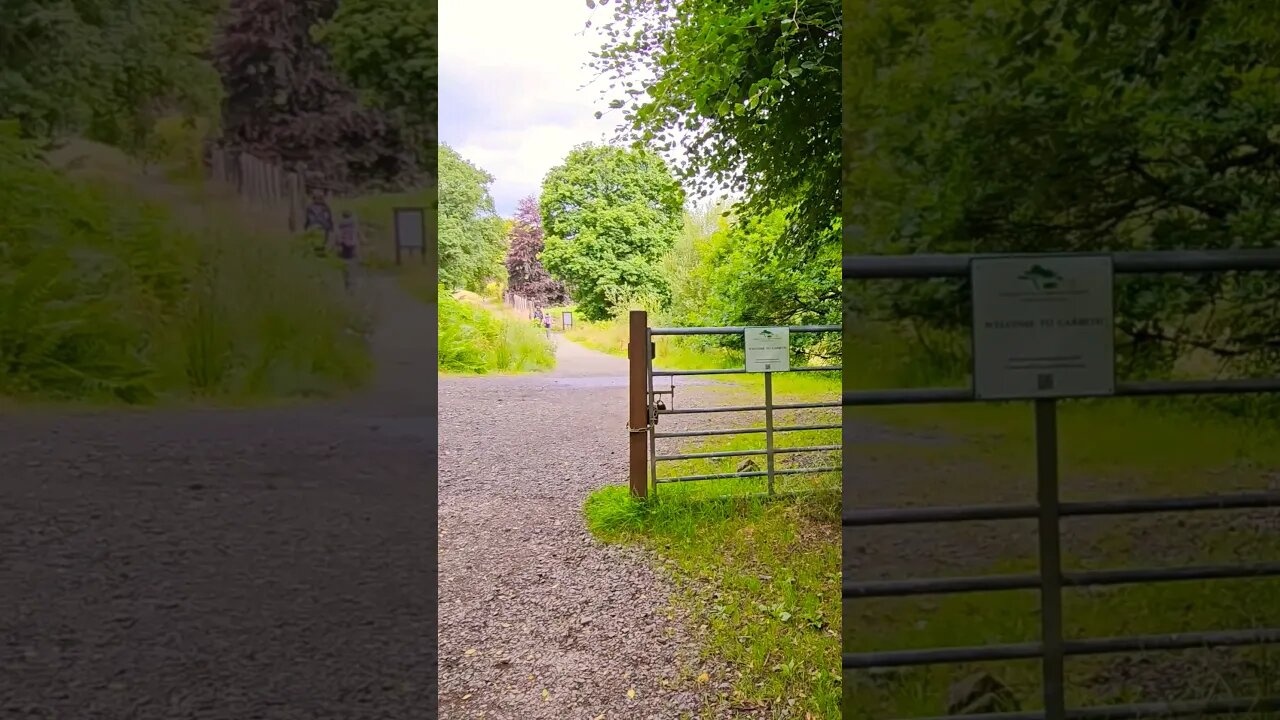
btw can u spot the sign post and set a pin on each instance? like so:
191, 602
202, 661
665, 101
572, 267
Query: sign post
566, 320
1043, 327
768, 349
411, 232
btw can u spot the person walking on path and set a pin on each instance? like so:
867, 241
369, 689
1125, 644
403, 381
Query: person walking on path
348, 242
319, 217
546, 323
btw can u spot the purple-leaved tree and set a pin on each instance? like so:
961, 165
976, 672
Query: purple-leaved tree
525, 273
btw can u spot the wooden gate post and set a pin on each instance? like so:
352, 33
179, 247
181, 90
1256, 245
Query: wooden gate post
638, 415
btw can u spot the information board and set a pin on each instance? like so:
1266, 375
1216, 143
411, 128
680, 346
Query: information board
1043, 327
768, 349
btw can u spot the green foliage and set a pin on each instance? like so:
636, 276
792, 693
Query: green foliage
741, 274
609, 215
476, 341
387, 49
471, 235
1001, 126
102, 298
747, 91
123, 63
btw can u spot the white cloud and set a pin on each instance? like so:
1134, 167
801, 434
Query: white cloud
511, 88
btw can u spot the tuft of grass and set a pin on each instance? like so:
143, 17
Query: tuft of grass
762, 577
477, 340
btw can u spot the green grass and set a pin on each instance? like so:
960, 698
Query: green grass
476, 339
761, 576
117, 286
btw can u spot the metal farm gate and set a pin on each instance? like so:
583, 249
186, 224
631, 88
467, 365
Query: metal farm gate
647, 407
1044, 274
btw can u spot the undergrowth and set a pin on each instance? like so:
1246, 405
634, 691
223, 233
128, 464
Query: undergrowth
109, 295
476, 340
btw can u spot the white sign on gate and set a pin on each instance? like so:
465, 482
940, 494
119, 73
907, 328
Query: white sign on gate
768, 349
1042, 327
566, 320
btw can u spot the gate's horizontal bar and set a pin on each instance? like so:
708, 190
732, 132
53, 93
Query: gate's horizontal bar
751, 408
1133, 506
963, 513
758, 473
945, 586
1175, 709
940, 656
740, 330
739, 453
1143, 710
746, 431
1206, 572
888, 267
937, 586
712, 476
742, 371
1093, 646
939, 396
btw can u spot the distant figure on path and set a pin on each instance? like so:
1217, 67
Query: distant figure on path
319, 216
348, 245
546, 323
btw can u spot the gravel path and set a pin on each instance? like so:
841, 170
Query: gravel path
538, 619
269, 563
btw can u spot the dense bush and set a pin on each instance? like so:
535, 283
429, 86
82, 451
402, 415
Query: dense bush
474, 340
102, 297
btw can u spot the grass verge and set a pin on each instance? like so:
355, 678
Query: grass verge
761, 576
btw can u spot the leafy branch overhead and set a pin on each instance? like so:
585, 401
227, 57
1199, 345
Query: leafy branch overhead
1082, 125
748, 93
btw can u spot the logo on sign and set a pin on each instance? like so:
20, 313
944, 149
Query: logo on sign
1041, 278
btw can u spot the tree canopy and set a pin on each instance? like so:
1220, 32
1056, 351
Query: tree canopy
525, 273
105, 68
610, 214
748, 92
470, 232
286, 101
387, 50
994, 126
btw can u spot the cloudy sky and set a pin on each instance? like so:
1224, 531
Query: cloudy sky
511, 88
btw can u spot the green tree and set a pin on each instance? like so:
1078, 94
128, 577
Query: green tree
471, 237
740, 274
132, 60
387, 49
609, 215
1073, 125
749, 92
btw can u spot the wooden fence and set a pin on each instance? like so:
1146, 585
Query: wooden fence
263, 184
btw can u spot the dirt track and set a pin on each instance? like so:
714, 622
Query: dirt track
538, 619
226, 564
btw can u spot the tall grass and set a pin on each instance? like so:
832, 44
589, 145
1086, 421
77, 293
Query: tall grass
106, 295
476, 340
